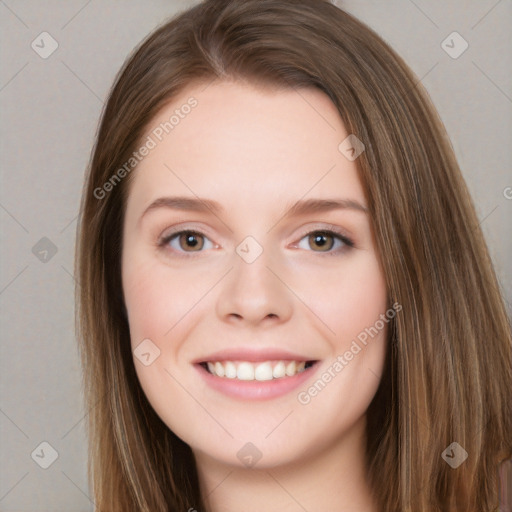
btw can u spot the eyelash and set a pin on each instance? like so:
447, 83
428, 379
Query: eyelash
347, 242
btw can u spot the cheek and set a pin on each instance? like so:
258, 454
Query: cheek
353, 304
159, 304
147, 302
156, 299
347, 298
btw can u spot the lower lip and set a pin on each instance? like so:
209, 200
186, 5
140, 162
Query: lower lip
255, 389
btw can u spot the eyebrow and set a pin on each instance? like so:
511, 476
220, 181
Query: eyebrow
301, 207
323, 205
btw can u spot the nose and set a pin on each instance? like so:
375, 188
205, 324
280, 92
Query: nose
254, 293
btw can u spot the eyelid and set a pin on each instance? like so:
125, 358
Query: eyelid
173, 234
335, 232
330, 229
183, 227
326, 228
167, 236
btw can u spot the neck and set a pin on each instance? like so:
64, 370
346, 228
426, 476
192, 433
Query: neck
331, 479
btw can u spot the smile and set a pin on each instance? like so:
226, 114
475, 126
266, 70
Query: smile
260, 371
256, 380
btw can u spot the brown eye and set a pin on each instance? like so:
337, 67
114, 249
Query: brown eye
326, 241
321, 241
186, 242
192, 241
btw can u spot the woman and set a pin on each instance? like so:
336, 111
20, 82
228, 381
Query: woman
286, 301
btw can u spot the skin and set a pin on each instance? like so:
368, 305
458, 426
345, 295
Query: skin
256, 152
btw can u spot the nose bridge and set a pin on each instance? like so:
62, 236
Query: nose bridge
252, 291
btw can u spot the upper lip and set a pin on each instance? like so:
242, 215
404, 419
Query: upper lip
252, 355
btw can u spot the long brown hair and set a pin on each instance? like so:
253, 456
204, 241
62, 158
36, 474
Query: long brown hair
448, 372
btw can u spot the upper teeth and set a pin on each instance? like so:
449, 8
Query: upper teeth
244, 370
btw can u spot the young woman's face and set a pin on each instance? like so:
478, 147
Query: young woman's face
247, 250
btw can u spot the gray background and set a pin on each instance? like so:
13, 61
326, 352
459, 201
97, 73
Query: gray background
50, 110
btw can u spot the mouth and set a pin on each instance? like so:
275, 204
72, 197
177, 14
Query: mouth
249, 373
256, 380
256, 371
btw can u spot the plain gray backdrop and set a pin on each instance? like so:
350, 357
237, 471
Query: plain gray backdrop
50, 106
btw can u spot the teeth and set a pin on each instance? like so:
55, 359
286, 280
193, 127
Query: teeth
279, 370
244, 370
219, 369
290, 369
230, 370
263, 372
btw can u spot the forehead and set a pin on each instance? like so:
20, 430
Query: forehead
247, 144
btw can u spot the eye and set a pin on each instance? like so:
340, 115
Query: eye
186, 241
325, 241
